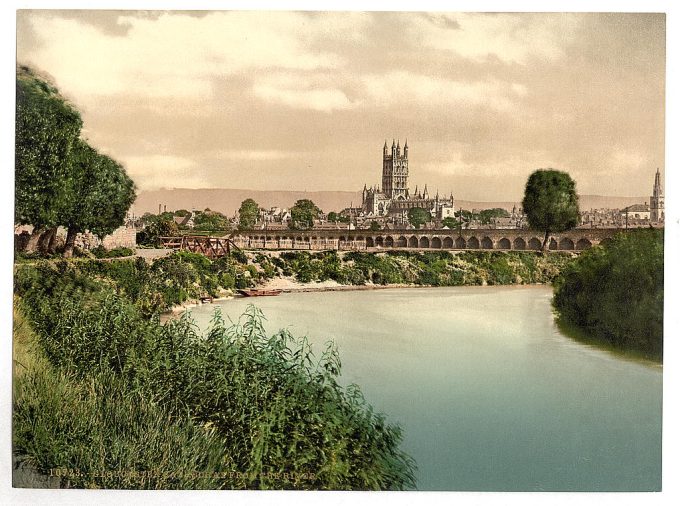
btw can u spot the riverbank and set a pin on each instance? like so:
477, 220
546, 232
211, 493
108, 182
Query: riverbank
232, 409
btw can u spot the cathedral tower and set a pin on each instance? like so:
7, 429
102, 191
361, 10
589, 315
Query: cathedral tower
395, 171
656, 204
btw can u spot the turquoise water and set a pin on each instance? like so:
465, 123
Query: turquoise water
489, 393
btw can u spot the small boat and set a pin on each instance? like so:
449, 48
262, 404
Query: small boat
255, 292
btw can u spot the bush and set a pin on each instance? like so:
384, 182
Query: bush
127, 393
614, 292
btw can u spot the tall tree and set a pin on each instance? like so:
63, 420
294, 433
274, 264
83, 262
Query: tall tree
100, 194
46, 129
303, 214
550, 202
418, 216
248, 214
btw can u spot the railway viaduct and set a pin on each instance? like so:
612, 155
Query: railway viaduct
476, 239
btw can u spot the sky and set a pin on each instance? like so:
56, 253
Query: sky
305, 100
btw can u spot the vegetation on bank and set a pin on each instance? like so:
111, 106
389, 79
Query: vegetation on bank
441, 268
124, 402
614, 292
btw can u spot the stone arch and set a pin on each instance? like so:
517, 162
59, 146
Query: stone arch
460, 243
413, 242
369, 242
504, 243
436, 243
379, 241
473, 243
534, 243
342, 238
389, 241
583, 243
552, 244
424, 242
487, 243
566, 244
447, 243
298, 239
402, 242
519, 243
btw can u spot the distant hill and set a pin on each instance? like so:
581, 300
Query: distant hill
227, 201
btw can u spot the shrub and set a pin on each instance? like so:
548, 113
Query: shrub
231, 399
614, 292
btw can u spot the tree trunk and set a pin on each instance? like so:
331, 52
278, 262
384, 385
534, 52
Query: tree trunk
46, 239
544, 247
32, 244
70, 241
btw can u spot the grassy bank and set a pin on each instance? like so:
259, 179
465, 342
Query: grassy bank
613, 294
113, 399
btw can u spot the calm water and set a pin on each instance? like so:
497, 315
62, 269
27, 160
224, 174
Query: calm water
488, 392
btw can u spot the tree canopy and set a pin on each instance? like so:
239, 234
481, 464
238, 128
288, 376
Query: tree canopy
550, 202
614, 292
303, 214
248, 214
46, 128
418, 216
60, 179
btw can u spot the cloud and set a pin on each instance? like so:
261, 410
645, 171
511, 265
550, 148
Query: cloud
509, 37
164, 171
177, 55
300, 93
400, 86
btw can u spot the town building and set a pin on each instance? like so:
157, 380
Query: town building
394, 199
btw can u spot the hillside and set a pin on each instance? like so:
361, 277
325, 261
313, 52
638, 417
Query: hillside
228, 200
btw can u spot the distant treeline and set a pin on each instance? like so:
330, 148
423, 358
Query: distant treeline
614, 292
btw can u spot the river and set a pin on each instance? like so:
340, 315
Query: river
489, 394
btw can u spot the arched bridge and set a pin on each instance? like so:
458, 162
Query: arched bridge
485, 239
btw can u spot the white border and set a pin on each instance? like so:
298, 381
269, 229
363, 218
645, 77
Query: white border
671, 422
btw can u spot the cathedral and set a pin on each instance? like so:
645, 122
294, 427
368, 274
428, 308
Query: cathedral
394, 198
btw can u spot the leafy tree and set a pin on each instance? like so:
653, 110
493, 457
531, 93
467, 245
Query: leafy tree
303, 214
375, 226
248, 214
486, 215
156, 227
46, 129
450, 222
212, 220
418, 216
550, 202
333, 216
615, 292
182, 212
99, 194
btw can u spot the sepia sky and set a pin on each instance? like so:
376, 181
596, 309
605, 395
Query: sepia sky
300, 100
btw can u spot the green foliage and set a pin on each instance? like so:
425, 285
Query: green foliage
375, 226
451, 223
211, 221
550, 201
46, 129
248, 214
303, 214
418, 216
101, 252
127, 393
99, 192
157, 227
615, 292
486, 215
